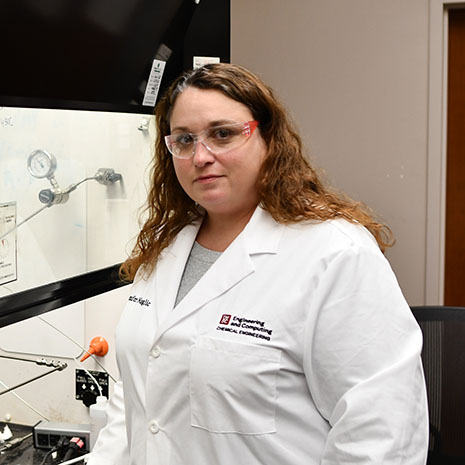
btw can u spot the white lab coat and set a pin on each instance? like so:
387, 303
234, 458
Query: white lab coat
295, 348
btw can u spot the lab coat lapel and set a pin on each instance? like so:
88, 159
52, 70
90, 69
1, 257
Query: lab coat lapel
169, 271
261, 235
232, 266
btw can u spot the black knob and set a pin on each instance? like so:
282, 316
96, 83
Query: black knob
46, 196
89, 398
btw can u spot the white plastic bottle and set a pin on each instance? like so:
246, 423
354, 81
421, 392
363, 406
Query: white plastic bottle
98, 418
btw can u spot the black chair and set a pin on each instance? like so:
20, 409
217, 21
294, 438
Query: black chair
443, 358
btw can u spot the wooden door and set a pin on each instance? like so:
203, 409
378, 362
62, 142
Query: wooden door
451, 351
454, 277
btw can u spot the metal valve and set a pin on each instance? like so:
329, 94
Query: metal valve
107, 176
53, 196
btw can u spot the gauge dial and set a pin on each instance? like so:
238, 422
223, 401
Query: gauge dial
41, 164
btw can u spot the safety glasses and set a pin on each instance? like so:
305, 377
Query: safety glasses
217, 139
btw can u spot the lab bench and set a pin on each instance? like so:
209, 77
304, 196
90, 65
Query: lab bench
23, 453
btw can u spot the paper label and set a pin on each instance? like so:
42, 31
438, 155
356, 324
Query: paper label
8, 270
200, 61
153, 84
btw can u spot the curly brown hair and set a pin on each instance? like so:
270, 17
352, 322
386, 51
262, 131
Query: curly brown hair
289, 188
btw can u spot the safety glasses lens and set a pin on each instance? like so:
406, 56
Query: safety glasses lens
218, 139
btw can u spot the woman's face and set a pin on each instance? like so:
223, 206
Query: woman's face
221, 183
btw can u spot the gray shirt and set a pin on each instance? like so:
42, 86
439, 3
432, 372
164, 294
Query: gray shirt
199, 261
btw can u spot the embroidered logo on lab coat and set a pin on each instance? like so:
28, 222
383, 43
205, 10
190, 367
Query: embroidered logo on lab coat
244, 326
139, 300
225, 319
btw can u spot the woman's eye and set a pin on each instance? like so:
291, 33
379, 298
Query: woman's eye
184, 139
223, 133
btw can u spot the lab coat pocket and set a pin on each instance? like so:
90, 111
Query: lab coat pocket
233, 386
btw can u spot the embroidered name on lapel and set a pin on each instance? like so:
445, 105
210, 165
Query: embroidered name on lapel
139, 300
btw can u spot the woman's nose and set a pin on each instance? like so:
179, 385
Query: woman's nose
202, 154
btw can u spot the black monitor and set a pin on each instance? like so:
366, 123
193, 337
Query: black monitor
98, 54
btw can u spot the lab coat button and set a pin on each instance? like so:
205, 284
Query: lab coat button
156, 352
154, 428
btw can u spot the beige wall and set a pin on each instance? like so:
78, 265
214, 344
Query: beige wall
354, 76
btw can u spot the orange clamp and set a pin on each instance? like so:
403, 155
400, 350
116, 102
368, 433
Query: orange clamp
98, 346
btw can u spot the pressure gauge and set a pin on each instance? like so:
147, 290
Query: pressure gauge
41, 164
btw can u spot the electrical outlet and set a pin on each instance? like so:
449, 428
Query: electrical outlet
46, 434
86, 390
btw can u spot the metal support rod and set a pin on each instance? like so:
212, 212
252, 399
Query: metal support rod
31, 380
24, 221
18, 358
38, 361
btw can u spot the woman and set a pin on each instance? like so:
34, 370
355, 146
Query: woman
265, 325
